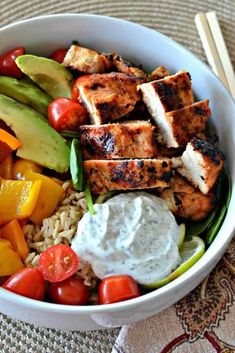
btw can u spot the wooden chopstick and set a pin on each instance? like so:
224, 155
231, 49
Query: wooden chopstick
210, 47
222, 50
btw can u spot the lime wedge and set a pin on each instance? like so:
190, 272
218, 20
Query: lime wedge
192, 250
182, 236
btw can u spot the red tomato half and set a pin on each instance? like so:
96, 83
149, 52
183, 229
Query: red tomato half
71, 291
8, 66
58, 55
58, 263
78, 81
66, 114
27, 282
117, 288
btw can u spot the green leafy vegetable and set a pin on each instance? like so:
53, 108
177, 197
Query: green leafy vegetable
89, 200
226, 193
197, 228
70, 134
76, 167
213, 230
229, 195
102, 198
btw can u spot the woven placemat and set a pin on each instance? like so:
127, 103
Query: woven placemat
174, 18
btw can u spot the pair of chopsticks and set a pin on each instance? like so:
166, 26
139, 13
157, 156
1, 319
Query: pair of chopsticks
215, 48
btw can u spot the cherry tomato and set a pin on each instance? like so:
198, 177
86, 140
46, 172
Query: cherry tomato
71, 291
117, 288
75, 93
27, 282
8, 66
58, 55
58, 263
66, 114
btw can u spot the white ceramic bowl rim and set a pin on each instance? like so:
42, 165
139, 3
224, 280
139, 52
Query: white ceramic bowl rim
228, 227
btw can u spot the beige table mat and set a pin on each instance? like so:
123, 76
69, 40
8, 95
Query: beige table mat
171, 17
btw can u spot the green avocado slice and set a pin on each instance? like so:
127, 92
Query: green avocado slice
40, 142
25, 92
51, 76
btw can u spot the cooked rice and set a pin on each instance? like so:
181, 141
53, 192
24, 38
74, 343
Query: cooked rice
60, 228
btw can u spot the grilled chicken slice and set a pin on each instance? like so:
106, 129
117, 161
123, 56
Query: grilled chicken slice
127, 68
159, 73
186, 201
134, 139
170, 93
86, 60
202, 163
128, 174
109, 96
178, 127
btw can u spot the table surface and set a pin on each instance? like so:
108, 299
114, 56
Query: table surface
174, 18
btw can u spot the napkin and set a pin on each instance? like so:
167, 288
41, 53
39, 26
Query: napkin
196, 324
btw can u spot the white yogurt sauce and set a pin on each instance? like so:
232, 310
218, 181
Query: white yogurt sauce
131, 234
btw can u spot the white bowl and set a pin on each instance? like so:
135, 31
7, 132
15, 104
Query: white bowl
42, 35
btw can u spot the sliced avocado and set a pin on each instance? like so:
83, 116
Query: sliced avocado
40, 142
51, 76
25, 92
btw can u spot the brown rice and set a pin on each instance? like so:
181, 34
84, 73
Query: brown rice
60, 228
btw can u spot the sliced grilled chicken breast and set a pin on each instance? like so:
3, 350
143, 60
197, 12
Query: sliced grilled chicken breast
202, 163
184, 200
178, 127
115, 141
159, 73
109, 96
170, 93
106, 175
86, 60
126, 67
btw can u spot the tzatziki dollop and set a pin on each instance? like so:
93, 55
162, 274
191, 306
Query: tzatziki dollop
131, 234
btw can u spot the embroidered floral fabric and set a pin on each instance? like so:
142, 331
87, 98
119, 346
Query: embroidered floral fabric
202, 322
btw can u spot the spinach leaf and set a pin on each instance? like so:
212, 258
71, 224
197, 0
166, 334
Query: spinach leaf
213, 230
69, 134
89, 200
102, 198
197, 228
76, 167
220, 215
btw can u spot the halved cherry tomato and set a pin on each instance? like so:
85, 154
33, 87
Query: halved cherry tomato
8, 66
58, 55
58, 263
75, 93
27, 282
66, 114
71, 291
117, 288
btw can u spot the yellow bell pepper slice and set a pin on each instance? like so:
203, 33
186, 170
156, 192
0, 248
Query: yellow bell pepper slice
13, 233
18, 199
49, 197
21, 166
10, 261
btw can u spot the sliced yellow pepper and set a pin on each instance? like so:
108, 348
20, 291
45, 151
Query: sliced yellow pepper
21, 166
13, 233
17, 199
50, 195
10, 261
